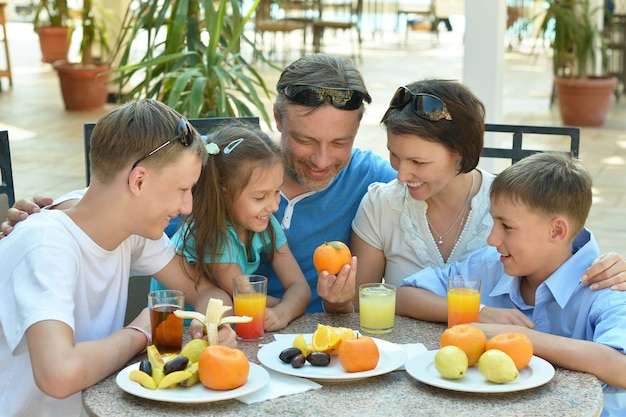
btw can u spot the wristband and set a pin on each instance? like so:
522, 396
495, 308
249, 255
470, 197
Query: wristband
145, 333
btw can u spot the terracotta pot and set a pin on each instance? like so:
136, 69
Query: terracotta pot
54, 43
584, 102
84, 87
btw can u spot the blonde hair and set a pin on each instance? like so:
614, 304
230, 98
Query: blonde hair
131, 131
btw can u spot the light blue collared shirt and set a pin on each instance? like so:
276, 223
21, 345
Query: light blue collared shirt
563, 306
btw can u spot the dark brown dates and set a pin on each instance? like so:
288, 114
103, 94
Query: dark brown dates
298, 361
177, 364
318, 358
145, 366
288, 354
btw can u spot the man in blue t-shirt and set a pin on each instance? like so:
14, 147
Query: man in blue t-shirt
320, 103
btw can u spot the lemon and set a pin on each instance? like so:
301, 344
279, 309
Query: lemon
300, 343
451, 362
497, 367
193, 349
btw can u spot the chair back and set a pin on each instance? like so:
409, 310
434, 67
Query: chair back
7, 188
204, 126
518, 138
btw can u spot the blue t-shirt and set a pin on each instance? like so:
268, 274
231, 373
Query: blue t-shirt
317, 217
563, 306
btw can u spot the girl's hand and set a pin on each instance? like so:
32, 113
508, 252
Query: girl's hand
272, 321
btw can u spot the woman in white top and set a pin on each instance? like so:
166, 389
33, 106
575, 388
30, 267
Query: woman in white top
437, 210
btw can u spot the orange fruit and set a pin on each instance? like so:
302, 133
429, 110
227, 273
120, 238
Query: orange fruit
328, 339
223, 368
331, 257
358, 354
515, 344
470, 339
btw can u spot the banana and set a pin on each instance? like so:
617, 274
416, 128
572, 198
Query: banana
213, 318
142, 378
174, 378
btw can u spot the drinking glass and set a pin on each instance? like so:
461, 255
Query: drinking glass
377, 307
167, 328
463, 299
250, 299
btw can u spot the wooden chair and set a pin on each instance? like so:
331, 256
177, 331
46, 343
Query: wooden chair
265, 22
204, 126
346, 16
7, 188
543, 137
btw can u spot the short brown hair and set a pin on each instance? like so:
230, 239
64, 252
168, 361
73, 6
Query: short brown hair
323, 70
133, 130
548, 183
463, 134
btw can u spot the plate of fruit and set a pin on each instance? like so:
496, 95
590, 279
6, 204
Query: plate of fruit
194, 376
468, 362
332, 354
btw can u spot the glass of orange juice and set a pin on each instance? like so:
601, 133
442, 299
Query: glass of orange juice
463, 299
377, 308
250, 299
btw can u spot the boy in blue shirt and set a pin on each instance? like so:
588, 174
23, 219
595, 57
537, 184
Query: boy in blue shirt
530, 274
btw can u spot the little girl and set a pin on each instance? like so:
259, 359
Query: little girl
232, 223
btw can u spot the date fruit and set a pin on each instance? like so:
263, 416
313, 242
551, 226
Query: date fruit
318, 358
146, 367
298, 361
288, 354
179, 363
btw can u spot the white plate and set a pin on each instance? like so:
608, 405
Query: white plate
392, 357
422, 368
257, 378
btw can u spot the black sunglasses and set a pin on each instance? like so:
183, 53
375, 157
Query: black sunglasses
425, 105
184, 133
315, 96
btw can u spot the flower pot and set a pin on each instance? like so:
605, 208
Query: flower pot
54, 43
584, 102
84, 87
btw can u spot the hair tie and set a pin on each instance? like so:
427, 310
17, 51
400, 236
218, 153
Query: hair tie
212, 148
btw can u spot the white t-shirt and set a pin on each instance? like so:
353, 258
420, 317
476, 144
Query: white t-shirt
389, 219
51, 270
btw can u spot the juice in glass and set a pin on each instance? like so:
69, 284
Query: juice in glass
463, 300
250, 299
251, 305
377, 308
167, 328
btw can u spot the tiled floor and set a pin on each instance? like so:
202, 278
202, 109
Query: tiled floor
47, 141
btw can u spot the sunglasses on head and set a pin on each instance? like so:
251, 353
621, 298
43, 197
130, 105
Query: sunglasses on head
425, 105
184, 133
314, 96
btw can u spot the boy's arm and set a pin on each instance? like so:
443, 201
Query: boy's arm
577, 355
62, 368
421, 304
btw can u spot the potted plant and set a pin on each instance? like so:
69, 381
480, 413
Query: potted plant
583, 90
84, 84
191, 58
51, 23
